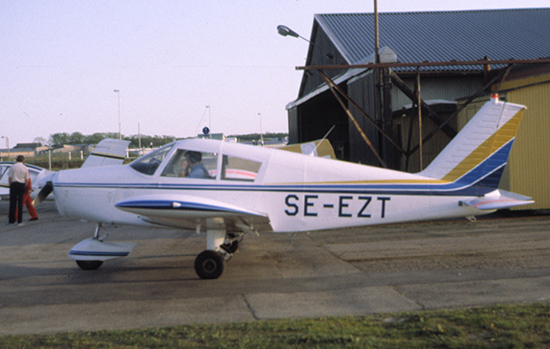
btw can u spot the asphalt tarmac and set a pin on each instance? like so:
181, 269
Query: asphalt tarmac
408, 267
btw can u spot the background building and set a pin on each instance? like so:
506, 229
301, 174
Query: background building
388, 97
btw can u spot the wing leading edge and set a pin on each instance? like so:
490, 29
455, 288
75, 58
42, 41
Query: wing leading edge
189, 211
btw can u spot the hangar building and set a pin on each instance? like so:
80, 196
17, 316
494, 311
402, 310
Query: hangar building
372, 115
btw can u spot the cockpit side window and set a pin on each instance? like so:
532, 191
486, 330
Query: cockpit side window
178, 165
149, 163
239, 169
191, 164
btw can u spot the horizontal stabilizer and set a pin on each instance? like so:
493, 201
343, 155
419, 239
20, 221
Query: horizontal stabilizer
499, 199
108, 152
97, 250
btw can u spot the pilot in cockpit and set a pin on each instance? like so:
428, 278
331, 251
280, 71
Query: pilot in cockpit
184, 168
197, 168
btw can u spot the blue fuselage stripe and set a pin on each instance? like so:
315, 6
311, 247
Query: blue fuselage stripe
464, 186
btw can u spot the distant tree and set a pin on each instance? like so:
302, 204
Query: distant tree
94, 138
99, 136
39, 140
147, 141
76, 138
113, 135
255, 137
59, 139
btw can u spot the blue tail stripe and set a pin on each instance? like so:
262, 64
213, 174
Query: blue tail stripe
491, 168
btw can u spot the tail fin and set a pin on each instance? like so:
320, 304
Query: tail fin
108, 152
479, 153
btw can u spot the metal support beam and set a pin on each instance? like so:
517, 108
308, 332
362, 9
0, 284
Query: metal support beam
468, 101
424, 64
330, 84
419, 106
449, 131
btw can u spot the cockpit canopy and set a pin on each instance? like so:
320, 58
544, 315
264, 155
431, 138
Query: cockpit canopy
180, 160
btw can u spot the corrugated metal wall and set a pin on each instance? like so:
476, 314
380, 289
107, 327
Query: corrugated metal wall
528, 170
529, 165
440, 87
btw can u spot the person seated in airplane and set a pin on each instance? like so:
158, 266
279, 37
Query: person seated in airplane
184, 168
197, 168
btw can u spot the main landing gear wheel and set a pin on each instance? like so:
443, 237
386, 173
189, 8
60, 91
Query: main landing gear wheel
209, 264
89, 265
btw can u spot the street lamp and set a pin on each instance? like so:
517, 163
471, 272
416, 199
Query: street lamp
209, 116
7, 145
286, 31
261, 133
119, 128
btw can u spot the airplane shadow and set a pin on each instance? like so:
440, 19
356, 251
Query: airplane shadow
134, 270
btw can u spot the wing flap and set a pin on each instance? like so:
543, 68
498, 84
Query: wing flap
499, 199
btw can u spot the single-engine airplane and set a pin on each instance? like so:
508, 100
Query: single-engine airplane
234, 189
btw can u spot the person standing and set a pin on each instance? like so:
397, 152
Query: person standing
27, 201
18, 177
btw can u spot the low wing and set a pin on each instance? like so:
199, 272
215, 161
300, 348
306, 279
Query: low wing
108, 152
499, 199
190, 212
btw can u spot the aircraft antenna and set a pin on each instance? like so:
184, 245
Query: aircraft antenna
322, 139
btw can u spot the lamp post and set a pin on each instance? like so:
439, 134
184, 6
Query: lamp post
139, 139
209, 116
286, 31
119, 127
261, 133
8, 146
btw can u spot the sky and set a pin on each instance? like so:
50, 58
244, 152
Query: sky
179, 65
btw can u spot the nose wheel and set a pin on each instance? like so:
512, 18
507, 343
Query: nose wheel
89, 265
209, 264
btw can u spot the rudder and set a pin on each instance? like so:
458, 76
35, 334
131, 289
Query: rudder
479, 153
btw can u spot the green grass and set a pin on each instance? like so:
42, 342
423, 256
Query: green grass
505, 326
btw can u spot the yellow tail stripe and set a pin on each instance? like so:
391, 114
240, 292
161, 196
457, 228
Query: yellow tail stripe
502, 136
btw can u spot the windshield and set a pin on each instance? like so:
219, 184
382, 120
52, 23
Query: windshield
149, 163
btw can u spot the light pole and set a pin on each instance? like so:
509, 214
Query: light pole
261, 133
8, 146
286, 31
139, 139
119, 127
209, 116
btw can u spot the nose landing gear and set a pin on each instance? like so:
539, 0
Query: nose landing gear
220, 245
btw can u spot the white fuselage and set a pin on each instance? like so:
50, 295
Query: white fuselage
296, 192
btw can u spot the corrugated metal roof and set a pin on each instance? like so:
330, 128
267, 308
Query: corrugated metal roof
443, 36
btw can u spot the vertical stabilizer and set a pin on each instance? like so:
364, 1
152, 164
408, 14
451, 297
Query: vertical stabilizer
108, 152
478, 154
